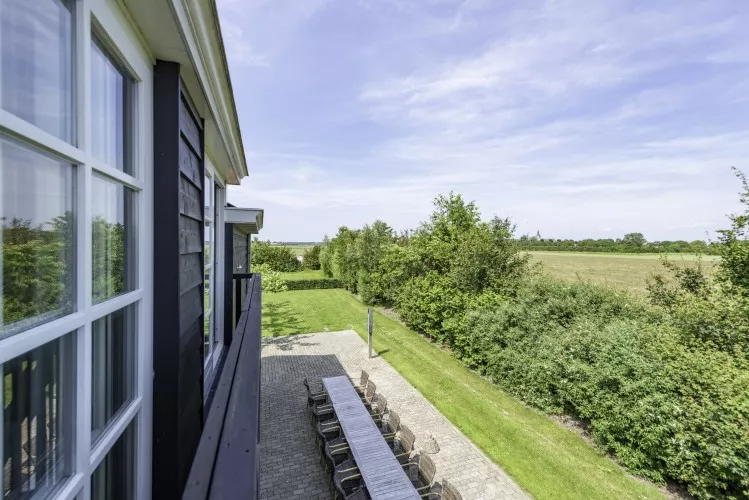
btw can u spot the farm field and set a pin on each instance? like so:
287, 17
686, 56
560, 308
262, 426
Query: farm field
297, 249
308, 274
546, 459
623, 271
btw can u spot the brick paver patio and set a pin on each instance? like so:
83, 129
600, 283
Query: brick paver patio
289, 461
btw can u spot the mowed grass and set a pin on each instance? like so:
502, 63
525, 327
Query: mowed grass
304, 275
622, 271
546, 459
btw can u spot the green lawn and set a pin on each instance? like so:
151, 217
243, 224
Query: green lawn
546, 459
303, 275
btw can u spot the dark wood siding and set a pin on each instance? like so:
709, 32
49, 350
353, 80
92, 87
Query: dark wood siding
178, 282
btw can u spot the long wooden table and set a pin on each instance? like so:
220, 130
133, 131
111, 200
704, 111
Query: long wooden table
380, 470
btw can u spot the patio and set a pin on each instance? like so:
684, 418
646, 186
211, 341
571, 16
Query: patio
289, 460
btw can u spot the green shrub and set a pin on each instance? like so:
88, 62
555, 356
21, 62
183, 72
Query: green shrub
668, 411
311, 258
312, 284
271, 279
426, 302
278, 258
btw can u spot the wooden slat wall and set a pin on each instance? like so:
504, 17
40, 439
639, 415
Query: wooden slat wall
191, 180
178, 282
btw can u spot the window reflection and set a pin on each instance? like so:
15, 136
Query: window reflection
36, 39
110, 95
113, 239
113, 366
37, 451
38, 237
114, 478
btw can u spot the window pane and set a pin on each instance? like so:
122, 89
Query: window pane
207, 192
37, 197
111, 93
207, 315
113, 239
113, 368
37, 63
114, 478
37, 452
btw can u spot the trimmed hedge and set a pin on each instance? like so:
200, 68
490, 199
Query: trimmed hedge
313, 284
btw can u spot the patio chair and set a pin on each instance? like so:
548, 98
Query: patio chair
369, 394
448, 492
321, 412
406, 440
346, 486
314, 397
427, 471
363, 378
360, 494
378, 412
391, 428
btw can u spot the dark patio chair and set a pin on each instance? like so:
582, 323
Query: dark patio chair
336, 452
363, 378
381, 407
449, 492
406, 440
346, 486
314, 396
321, 412
369, 394
425, 481
391, 428
359, 494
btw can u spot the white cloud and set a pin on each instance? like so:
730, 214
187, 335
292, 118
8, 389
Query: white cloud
577, 118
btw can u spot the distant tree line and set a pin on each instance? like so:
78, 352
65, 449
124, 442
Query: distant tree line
630, 243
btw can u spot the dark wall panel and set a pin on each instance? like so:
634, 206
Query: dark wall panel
190, 203
189, 127
190, 235
178, 283
190, 164
190, 308
191, 271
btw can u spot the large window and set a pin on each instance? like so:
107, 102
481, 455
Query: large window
213, 239
37, 69
74, 248
38, 237
37, 408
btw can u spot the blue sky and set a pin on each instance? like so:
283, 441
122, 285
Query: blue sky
575, 118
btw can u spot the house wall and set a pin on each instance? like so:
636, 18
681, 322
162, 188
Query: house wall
178, 282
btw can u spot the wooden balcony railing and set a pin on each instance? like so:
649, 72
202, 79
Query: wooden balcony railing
226, 464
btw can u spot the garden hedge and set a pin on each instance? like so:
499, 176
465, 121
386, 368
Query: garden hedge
313, 284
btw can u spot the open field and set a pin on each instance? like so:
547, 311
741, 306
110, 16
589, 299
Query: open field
297, 249
624, 271
546, 459
303, 275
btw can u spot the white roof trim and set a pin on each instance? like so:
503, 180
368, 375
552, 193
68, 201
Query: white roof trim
249, 220
204, 41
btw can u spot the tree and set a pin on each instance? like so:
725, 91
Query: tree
635, 240
311, 258
734, 246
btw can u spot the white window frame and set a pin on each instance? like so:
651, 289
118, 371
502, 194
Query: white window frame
121, 43
215, 270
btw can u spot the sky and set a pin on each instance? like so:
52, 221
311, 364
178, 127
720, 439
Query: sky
575, 118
